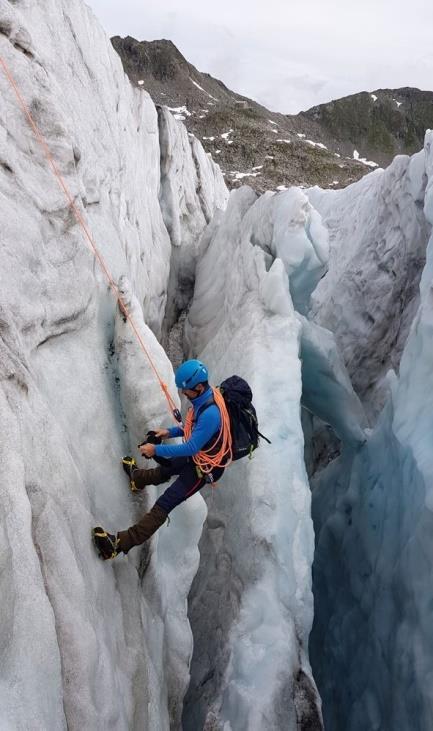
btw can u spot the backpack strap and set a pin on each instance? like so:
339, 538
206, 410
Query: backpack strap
254, 423
262, 436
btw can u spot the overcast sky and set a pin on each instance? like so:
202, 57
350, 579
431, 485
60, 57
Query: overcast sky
289, 55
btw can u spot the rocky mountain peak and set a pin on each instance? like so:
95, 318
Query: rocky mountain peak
252, 144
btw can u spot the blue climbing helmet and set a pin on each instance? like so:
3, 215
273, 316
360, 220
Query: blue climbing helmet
191, 373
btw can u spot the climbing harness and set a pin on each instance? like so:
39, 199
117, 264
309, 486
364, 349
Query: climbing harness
80, 220
219, 454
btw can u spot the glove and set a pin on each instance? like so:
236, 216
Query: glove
151, 438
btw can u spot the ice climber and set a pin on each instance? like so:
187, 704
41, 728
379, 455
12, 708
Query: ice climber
200, 459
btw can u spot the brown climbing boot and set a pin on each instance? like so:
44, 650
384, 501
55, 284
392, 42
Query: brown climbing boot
138, 478
141, 478
106, 543
143, 530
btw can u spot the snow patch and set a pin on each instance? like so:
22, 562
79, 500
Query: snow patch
374, 97
240, 176
203, 90
180, 110
316, 144
180, 113
364, 160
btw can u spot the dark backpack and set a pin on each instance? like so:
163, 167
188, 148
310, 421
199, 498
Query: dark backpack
243, 418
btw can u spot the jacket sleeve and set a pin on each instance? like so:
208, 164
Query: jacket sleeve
208, 425
175, 431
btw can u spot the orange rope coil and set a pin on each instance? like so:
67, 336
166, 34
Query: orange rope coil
207, 460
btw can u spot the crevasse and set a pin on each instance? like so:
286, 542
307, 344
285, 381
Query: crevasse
251, 602
371, 641
112, 642
92, 645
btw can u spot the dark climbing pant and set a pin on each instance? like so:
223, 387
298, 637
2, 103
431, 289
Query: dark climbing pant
187, 484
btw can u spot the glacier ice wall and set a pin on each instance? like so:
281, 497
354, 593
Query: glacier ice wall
85, 644
251, 602
191, 190
112, 642
327, 392
374, 556
368, 299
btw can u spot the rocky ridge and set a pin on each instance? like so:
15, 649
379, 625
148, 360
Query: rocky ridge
331, 145
252, 145
383, 124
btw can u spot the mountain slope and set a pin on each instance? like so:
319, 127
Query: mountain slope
382, 124
251, 144
265, 149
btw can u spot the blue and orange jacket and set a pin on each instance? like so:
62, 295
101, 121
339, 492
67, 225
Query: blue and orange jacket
206, 426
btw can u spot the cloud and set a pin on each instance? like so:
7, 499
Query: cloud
286, 55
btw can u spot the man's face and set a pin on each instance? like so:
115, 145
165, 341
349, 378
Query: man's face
191, 394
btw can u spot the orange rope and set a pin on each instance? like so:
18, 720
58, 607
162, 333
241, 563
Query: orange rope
207, 460
40, 138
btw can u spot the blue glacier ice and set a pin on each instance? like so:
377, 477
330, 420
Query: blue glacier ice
373, 518
313, 297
